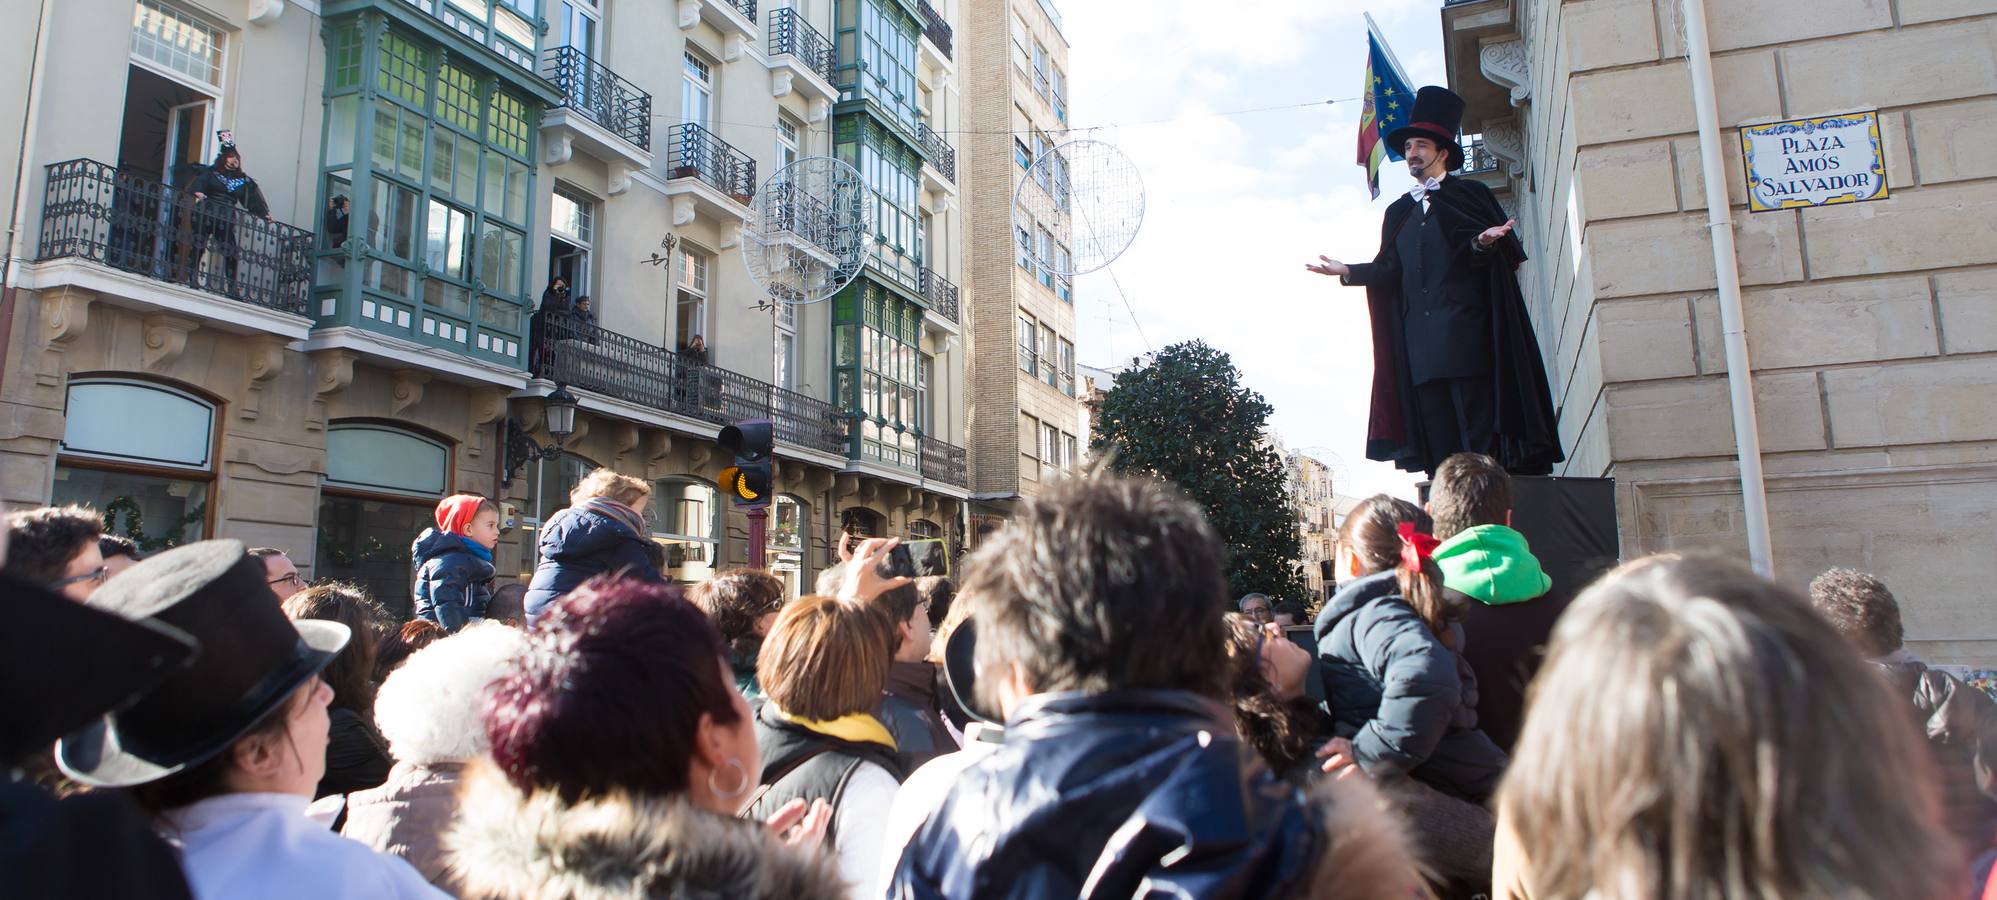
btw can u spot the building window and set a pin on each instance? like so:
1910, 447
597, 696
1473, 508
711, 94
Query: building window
886, 47
1067, 363
1043, 176
580, 21
1039, 69
892, 170
877, 336
1060, 98
1046, 257
1021, 155
1029, 446
925, 375
1048, 374
1064, 284
687, 520
1029, 360
1050, 445
1023, 239
1068, 458
142, 455
170, 40
690, 310
571, 235
786, 550
381, 489
785, 362
1022, 58
696, 90
787, 146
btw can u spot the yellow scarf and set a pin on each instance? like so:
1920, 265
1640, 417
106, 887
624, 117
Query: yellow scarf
858, 728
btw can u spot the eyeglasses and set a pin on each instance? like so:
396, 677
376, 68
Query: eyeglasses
291, 578
95, 576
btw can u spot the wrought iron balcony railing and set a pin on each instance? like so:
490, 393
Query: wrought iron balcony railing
603, 96
575, 351
941, 154
698, 153
136, 223
745, 7
1477, 158
935, 29
790, 33
945, 462
942, 295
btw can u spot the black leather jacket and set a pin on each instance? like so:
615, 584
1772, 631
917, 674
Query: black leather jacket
1123, 794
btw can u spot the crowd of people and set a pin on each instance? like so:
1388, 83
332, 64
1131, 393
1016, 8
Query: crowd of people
1081, 716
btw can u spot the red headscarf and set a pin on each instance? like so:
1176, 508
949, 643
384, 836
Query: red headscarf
455, 513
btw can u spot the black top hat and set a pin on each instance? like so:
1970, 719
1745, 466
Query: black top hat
252, 658
1438, 116
960, 671
103, 662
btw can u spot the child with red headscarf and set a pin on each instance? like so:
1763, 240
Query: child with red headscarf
454, 569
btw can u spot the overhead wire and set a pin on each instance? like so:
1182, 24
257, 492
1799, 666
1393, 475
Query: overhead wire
771, 126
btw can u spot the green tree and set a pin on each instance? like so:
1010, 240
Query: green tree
1186, 418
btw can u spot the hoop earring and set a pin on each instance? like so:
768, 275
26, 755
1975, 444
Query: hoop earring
740, 788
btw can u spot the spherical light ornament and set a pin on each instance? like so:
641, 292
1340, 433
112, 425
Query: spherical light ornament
1089, 197
806, 235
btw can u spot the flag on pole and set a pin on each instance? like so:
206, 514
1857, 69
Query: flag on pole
1388, 101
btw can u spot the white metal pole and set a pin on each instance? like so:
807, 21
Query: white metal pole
1726, 266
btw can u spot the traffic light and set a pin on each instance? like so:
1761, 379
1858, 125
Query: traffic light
748, 478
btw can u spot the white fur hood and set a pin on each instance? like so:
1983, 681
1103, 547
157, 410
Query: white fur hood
506, 845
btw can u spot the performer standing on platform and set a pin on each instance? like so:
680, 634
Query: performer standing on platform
1455, 364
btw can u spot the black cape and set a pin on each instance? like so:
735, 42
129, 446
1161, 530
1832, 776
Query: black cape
1528, 439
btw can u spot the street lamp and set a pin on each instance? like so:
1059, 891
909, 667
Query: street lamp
559, 412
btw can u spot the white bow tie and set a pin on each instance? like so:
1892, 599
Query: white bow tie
1422, 189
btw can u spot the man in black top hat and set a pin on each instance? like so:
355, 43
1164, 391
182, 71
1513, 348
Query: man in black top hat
1455, 364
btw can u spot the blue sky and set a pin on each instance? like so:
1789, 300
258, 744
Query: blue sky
1236, 205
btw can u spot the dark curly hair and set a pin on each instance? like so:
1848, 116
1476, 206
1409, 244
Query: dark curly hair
1861, 608
1284, 733
41, 542
351, 674
733, 601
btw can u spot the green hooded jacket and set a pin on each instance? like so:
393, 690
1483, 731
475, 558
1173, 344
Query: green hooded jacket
1493, 564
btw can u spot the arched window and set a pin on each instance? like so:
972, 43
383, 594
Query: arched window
861, 522
927, 547
381, 490
686, 518
143, 455
788, 520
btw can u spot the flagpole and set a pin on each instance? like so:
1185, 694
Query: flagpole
1374, 28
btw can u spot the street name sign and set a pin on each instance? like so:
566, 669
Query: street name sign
1814, 162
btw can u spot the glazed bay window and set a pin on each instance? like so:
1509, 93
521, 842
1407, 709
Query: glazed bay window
877, 41
432, 156
876, 334
892, 171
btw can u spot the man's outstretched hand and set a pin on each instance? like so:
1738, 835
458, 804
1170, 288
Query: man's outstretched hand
1328, 266
1496, 233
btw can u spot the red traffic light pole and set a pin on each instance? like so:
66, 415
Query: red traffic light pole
759, 530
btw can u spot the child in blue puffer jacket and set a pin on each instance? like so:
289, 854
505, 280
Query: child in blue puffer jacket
454, 569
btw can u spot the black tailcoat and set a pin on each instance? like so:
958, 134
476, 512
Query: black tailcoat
1464, 320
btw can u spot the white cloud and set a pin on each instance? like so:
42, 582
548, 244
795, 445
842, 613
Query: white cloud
1237, 204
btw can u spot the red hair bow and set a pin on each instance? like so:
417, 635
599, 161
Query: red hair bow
1415, 546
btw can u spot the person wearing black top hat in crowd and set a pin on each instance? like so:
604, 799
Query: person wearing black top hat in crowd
57, 849
225, 753
1455, 364
218, 193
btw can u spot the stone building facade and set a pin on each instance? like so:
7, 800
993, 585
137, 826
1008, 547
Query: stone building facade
351, 370
1872, 327
1025, 417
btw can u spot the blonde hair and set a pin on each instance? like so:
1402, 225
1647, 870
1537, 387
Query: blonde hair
1699, 733
609, 484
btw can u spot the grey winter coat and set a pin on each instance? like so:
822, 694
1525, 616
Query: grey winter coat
407, 816
1406, 701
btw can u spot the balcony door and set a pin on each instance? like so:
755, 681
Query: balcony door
697, 92
581, 23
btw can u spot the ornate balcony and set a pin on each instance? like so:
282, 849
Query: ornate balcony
937, 31
945, 462
708, 174
735, 19
941, 294
940, 153
1477, 159
802, 59
208, 256
581, 354
600, 96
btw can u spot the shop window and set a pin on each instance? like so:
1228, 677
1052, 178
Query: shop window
142, 455
786, 543
381, 490
686, 519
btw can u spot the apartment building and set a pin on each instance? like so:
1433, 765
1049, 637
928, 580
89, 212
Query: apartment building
316, 380
1025, 418
1317, 525
1868, 325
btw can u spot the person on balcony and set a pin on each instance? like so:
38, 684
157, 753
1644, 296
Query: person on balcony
583, 320
692, 377
549, 322
218, 193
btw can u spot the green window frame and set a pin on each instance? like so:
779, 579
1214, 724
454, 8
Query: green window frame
877, 371
435, 157
892, 170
